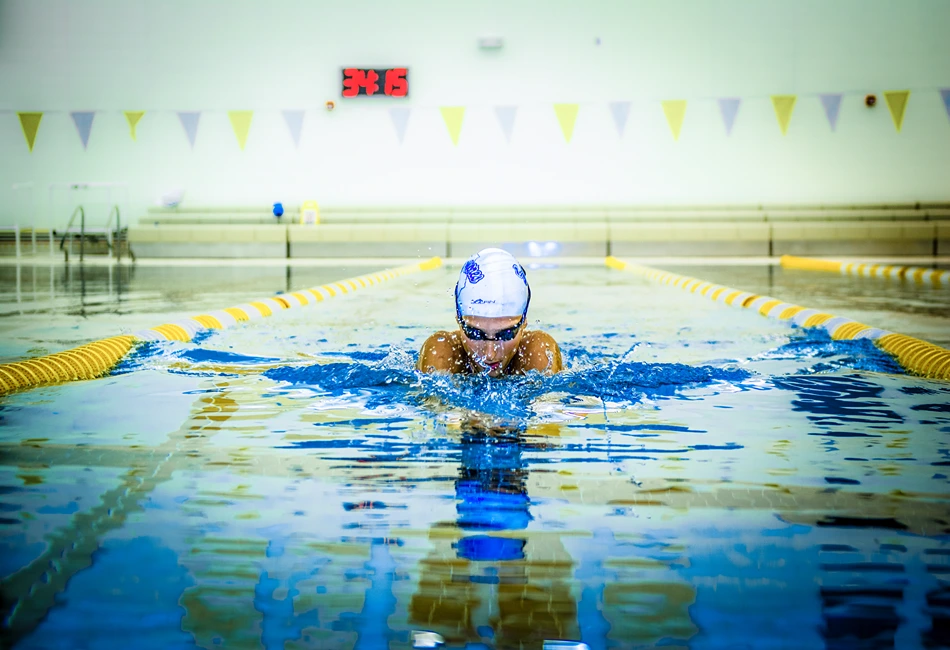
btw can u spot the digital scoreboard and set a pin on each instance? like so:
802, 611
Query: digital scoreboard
375, 82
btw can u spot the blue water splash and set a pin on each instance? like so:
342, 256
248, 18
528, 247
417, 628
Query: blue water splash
859, 354
360, 355
338, 376
630, 380
150, 353
393, 380
136, 358
199, 355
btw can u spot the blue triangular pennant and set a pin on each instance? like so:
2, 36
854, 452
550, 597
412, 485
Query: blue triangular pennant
294, 121
83, 122
400, 118
729, 108
506, 118
832, 104
189, 121
620, 111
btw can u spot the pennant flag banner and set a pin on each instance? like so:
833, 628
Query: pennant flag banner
620, 112
729, 108
506, 118
189, 122
783, 105
400, 118
566, 117
831, 103
453, 116
897, 103
294, 120
133, 118
30, 123
83, 122
241, 123
675, 111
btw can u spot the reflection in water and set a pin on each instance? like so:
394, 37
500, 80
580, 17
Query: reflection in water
31, 593
312, 545
832, 401
864, 596
491, 489
495, 584
74, 289
508, 584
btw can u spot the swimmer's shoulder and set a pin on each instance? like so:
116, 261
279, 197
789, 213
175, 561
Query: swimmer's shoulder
442, 352
539, 351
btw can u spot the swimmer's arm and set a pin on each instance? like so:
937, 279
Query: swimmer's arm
440, 353
539, 351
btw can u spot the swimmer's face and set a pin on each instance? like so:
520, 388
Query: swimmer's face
492, 357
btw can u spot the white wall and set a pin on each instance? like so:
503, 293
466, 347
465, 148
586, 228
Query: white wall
214, 56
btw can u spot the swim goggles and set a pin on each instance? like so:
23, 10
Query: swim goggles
476, 334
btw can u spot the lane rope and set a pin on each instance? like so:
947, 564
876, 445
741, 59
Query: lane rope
936, 277
914, 355
99, 357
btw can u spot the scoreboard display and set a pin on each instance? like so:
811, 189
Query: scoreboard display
375, 82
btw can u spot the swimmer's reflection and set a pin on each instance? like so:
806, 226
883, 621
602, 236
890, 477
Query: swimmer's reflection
491, 492
496, 582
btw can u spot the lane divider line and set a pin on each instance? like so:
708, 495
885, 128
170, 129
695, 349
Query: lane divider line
936, 277
914, 355
99, 357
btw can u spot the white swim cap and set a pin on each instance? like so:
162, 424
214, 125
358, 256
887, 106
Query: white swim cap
492, 283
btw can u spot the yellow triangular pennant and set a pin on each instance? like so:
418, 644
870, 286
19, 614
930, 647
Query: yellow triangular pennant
675, 111
452, 116
241, 123
566, 116
30, 123
897, 102
783, 105
133, 118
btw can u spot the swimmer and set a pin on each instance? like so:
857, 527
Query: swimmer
491, 307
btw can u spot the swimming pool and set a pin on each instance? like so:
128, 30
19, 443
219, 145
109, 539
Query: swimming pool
700, 477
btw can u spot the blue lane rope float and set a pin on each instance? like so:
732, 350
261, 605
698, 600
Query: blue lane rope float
936, 277
97, 358
915, 356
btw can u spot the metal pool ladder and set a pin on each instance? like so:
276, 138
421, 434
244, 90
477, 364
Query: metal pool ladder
113, 236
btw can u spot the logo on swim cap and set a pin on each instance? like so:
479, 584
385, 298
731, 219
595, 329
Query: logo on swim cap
519, 271
472, 272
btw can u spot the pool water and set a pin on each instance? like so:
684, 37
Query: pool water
700, 476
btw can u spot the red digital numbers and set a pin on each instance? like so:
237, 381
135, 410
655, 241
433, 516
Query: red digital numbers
363, 81
359, 82
397, 85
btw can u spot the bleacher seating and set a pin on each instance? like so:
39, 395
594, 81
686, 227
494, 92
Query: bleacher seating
909, 229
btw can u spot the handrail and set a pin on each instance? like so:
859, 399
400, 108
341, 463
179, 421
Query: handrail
68, 233
115, 247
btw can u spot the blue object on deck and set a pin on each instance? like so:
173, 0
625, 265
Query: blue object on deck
278, 210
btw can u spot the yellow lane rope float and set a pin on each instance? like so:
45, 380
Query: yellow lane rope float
97, 358
936, 277
915, 356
